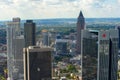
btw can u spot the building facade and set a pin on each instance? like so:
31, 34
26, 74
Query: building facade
29, 33
37, 63
15, 43
118, 28
18, 57
10, 50
99, 54
89, 50
108, 55
45, 38
61, 46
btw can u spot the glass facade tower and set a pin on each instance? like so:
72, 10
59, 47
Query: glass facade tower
89, 54
108, 55
99, 55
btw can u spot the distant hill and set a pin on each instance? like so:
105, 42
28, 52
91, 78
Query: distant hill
61, 21
74, 20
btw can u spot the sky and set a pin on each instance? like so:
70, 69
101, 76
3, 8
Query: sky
44, 9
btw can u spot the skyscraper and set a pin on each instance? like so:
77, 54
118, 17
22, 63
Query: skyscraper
29, 33
37, 63
45, 37
118, 27
17, 19
99, 55
15, 23
107, 55
80, 26
89, 49
15, 43
18, 57
10, 45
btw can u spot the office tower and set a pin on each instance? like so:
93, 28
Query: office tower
89, 53
107, 55
99, 55
80, 26
118, 27
45, 36
14, 50
9, 51
61, 46
18, 57
17, 19
37, 63
15, 23
12, 32
29, 33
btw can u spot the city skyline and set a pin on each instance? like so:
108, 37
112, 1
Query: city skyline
97, 52
44, 9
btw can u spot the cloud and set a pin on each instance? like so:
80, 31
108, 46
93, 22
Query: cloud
58, 8
119, 1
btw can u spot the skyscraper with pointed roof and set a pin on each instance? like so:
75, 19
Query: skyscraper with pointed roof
80, 26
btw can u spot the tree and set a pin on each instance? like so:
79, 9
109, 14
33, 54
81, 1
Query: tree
2, 77
71, 68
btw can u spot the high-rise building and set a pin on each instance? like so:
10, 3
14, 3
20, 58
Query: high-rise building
37, 63
99, 55
17, 19
29, 33
118, 27
45, 38
107, 55
15, 23
10, 45
15, 43
18, 58
89, 53
80, 26
61, 46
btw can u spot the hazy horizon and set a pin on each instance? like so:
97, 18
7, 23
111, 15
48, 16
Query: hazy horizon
62, 18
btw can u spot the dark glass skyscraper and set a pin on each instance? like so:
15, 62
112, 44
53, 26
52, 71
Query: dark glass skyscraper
80, 26
99, 55
29, 33
37, 63
89, 54
118, 27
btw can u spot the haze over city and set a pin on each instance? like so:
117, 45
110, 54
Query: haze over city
43, 9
